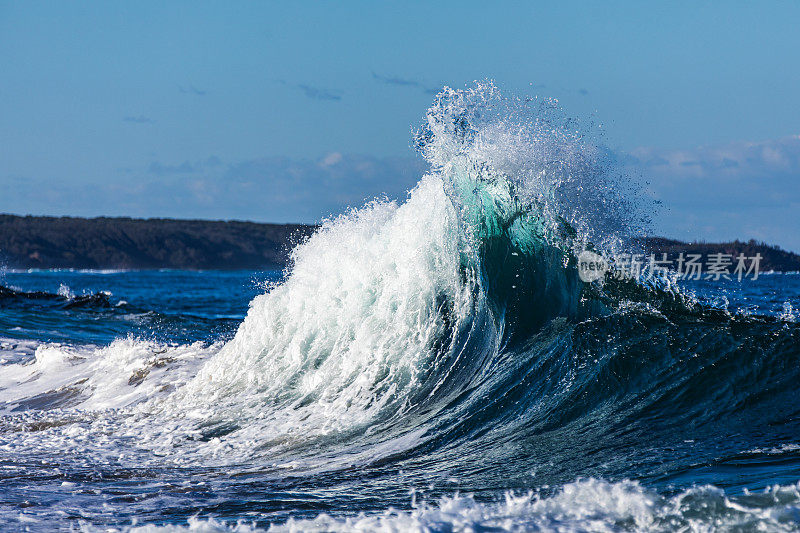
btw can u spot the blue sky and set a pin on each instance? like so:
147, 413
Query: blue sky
293, 111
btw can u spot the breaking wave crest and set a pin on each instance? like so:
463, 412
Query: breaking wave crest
452, 325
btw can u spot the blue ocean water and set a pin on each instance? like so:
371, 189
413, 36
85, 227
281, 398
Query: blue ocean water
435, 364
652, 413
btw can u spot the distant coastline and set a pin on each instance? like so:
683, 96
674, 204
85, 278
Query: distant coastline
772, 258
130, 243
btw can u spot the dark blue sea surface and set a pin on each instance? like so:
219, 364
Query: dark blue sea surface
633, 409
93, 307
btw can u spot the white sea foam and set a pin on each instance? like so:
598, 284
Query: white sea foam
788, 313
346, 338
789, 447
65, 292
108, 377
584, 505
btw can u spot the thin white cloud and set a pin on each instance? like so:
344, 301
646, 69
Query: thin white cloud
331, 159
736, 159
734, 190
